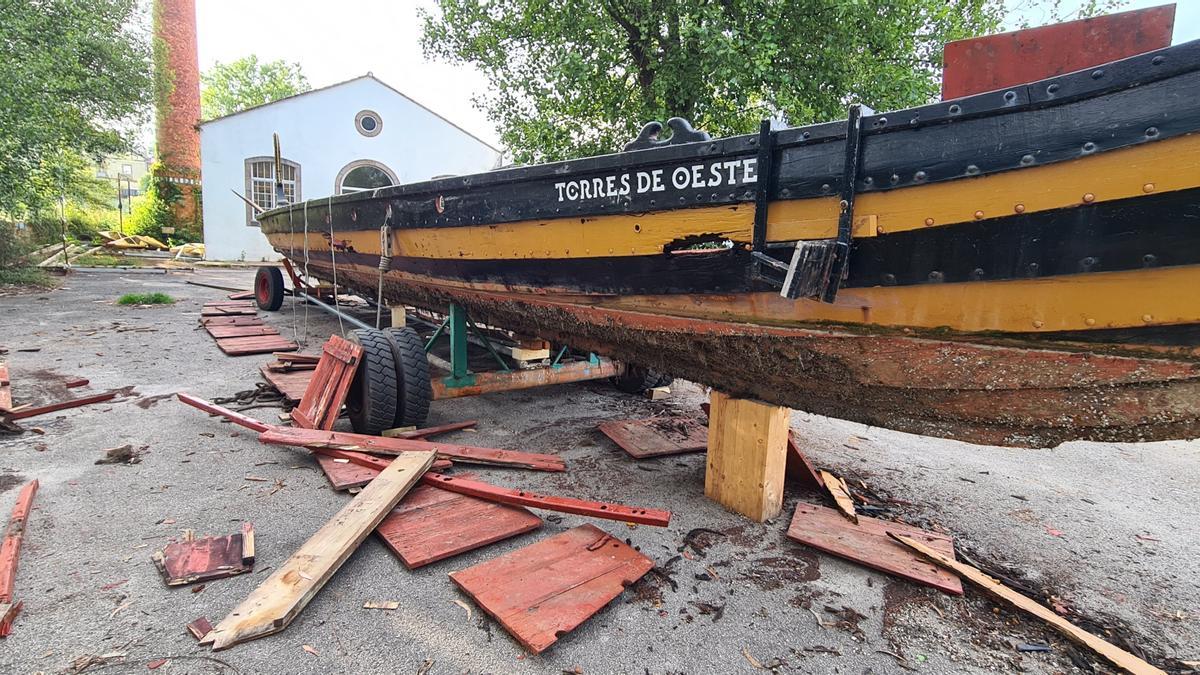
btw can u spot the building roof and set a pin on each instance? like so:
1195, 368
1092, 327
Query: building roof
344, 82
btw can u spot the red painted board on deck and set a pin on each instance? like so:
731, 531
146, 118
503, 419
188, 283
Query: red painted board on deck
432, 524
291, 384
193, 560
10, 552
61, 405
259, 344
867, 543
548, 588
220, 332
993, 62
657, 436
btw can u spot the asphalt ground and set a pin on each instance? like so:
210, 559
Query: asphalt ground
1109, 530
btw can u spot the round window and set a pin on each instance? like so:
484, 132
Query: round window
368, 123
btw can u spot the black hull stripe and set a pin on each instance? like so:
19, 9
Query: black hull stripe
1143, 232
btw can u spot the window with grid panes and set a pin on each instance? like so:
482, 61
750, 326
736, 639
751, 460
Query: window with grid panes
260, 184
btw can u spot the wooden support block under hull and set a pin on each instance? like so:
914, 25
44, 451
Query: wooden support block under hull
747, 446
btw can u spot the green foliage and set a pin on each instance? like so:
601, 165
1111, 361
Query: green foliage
76, 80
12, 248
579, 77
227, 88
26, 276
151, 211
145, 299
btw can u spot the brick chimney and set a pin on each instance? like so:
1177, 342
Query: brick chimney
177, 104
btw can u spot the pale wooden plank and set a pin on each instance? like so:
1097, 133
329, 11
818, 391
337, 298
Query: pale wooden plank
274, 604
1110, 652
747, 452
841, 495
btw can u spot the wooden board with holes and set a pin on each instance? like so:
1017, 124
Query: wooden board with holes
221, 332
291, 384
657, 436
546, 589
322, 400
867, 543
433, 524
280, 599
255, 344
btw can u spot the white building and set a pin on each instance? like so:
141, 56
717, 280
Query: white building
355, 135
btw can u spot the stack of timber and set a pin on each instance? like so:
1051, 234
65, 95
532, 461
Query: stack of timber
239, 331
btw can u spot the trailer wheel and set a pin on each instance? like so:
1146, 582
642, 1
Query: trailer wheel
268, 288
637, 379
412, 376
372, 397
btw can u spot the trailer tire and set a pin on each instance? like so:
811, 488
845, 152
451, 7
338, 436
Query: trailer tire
415, 392
268, 288
637, 379
371, 402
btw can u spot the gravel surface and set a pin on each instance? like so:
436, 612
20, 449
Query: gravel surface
1108, 530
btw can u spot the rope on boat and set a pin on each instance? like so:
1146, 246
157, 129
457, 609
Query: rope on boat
305, 269
333, 259
385, 262
292, 256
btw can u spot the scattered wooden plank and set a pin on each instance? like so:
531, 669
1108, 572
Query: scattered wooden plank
434, 430
474, 488
257, 344
76, 382
540, 592
241, 295
384, 604
287, 367
747, 452
841, 494
867, 543
1111, 653
10, 552
290, 384
6, 402
228, 311
231, 321
316, 438
192, 560
799, 467
657, 436
199, 628
34, 411
273, 605
222, 332
322, 401
229, 303
431, 524
214, 409
344, 474
297, 357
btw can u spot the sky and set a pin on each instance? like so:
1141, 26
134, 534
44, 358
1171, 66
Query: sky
334, 42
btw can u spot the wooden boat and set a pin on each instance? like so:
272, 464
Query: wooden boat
1018, 267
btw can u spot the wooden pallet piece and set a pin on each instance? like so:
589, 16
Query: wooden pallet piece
657, 436
432, 524
516, 497
257, 344
61, 405
290, 384
1111, 653
747, 452
546, 589
220, 332
868, 544
314, 438
322, 401
193, 560
6, 402
231, 321
10, 551
273, 605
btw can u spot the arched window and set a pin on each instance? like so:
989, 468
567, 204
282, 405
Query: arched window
260, 184
363, 174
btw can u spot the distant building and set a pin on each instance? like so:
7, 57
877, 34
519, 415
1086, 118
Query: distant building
355, 135
124, 172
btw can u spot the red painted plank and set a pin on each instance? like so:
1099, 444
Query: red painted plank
76, 382
228, 311
220, 332
326, 392
189, 561
344, 474
545, 590
10, 552
214, 409
6, 402
260, 344
799, 467
290, 384
61, 405
315, 438
657, 436
474, 488
867, 543
229, 303
231, 321
997, 61
241, 295
432, 524
439, 429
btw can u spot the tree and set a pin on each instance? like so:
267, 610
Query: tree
76, 82
227, 88
579, 77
